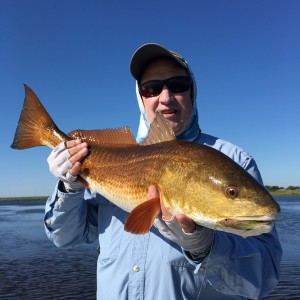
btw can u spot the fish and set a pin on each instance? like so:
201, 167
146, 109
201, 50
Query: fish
196, 180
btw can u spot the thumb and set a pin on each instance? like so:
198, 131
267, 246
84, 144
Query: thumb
186, 223
75, 169
152, 192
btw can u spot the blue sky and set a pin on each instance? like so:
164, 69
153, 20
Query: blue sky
75, 55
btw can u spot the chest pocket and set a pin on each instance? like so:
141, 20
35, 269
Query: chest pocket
111, 229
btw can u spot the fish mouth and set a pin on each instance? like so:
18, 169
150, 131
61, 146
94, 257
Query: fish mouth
247, 226
269, 218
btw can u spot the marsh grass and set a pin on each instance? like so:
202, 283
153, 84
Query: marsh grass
286, 192
23, 198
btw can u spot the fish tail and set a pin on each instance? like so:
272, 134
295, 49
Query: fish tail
35, 126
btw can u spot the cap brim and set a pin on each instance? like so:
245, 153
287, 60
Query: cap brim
145, 54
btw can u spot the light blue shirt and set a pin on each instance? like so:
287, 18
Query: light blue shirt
151, 267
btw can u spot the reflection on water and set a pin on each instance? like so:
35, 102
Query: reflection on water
289, 233
64, 276
289, 285
31, 267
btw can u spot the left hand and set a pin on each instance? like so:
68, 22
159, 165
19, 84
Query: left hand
187, 224
182, 230
65, 163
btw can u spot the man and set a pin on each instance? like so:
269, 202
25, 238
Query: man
177, 259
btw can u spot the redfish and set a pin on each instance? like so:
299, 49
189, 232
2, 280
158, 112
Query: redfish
196, 180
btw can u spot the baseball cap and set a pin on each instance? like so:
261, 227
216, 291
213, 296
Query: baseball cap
148, 52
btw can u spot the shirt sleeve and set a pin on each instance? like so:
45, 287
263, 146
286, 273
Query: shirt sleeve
70, 219
250, 166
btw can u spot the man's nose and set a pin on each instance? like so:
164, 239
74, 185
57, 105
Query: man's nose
165, 96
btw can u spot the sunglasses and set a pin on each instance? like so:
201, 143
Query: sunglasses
177, 84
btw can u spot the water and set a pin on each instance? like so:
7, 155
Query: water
289, 233
31, 267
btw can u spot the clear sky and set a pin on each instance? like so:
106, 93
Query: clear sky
75, 55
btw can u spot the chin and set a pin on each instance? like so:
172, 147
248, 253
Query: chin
178, 129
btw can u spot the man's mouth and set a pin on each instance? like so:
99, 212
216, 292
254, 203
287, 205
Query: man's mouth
169, 113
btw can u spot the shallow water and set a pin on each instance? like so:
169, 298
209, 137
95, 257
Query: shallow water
31, 267
289, 233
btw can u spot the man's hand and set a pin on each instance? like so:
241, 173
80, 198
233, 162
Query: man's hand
187, 224
65, 162
193, 238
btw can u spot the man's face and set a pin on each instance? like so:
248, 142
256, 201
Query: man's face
177, 108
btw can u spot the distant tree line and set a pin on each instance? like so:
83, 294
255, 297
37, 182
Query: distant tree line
273, 188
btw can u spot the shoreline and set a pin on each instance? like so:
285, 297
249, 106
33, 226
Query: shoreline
285, 192
281, 192
24, 198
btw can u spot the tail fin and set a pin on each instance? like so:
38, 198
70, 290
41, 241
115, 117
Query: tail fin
35, 127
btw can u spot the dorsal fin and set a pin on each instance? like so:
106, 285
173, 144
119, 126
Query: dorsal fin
104, 136
160, 131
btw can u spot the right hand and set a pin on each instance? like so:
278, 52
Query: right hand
65, 162
180, 229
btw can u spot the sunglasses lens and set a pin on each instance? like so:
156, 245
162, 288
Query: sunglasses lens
151, 88
179, 84
176, 84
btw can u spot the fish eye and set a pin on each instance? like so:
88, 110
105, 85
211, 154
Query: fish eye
232, 192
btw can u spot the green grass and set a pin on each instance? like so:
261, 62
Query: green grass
286, 192
24, 198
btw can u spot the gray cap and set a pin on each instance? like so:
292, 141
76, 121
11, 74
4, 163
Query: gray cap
148, 52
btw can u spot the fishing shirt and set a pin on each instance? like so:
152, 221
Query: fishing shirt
149, 266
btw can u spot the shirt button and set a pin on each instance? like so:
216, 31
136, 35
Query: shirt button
48, 221
136, 268
60, 200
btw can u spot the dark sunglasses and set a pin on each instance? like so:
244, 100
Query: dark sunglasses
177, 84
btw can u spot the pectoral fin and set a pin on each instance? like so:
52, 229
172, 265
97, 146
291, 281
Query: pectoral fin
142, 217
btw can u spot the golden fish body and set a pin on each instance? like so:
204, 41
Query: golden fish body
193, 179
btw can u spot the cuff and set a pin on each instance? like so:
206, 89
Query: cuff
60, 202
195, 262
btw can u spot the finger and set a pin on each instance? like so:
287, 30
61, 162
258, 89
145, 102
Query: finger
72, 143
63, 168
70, 177
78, 156
152, 192
167, 216
58, 150
74, 171
187, 224
78, 147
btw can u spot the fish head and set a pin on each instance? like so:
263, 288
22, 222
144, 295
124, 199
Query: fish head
237, 203
250, 208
